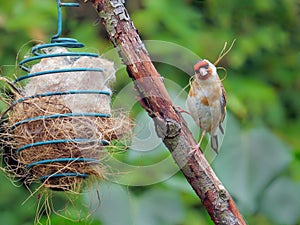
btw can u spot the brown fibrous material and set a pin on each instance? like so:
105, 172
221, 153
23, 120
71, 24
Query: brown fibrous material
92, 129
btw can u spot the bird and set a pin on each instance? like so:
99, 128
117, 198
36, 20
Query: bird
206, 102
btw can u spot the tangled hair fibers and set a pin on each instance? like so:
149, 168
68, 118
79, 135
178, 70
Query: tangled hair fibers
58, 139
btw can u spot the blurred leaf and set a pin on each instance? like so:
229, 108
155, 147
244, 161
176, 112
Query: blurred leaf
163, 22
281, 202
294, 169
114, 205
159, 206
145, 142
58, 220
11, 203
236, 105
261, 100
258, 219
261, 157
44, 15
179, 183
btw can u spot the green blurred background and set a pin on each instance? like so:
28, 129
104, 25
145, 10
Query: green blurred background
259, 161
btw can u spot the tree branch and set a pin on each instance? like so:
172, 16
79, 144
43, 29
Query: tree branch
170, 125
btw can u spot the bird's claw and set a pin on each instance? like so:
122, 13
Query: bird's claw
195, 149
181, 110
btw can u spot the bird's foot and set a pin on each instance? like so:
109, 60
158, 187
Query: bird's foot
195, 149
197, 146
181, 110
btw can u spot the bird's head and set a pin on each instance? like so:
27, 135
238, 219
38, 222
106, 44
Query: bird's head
204, 70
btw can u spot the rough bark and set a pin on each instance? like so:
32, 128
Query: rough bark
170, 125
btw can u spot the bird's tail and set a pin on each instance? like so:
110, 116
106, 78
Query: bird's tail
221, 129
214, 143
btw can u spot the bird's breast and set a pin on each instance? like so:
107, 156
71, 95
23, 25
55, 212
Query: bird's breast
204, 105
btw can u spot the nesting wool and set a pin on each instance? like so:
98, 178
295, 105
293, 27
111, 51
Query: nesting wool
66, 81
91, 128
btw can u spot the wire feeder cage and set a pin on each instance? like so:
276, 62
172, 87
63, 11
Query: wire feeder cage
61, 120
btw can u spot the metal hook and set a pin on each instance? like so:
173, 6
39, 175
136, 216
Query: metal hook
59, 18
39, 53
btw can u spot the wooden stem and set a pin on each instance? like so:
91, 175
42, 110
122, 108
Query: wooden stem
170, 125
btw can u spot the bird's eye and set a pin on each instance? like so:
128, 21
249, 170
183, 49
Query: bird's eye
201, 66
206, 66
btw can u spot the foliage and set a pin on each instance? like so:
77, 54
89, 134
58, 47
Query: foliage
259, 161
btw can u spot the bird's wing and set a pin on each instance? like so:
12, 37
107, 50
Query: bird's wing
223, 107
214, 143
192, 106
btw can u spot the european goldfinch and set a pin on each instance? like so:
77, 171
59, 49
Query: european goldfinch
206, 101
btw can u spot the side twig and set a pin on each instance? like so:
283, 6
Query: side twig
170, 125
